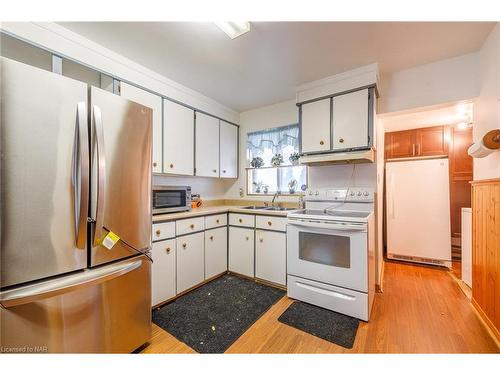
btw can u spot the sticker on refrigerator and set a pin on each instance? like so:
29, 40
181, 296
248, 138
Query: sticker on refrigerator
110, 240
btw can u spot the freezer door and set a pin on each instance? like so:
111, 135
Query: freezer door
44, 173
103, 310
418, 209
121, 132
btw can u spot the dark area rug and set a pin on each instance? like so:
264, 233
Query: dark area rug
328, 325
209, 319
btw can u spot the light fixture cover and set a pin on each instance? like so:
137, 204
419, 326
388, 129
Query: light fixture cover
234, 29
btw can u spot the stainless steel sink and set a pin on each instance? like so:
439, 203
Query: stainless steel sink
280, 208
255, 207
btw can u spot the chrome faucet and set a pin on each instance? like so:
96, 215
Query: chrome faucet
276, 195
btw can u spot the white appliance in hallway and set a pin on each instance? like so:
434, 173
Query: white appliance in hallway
75, 168
331, 251
418, 211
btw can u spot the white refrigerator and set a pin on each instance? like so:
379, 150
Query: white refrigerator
418, 211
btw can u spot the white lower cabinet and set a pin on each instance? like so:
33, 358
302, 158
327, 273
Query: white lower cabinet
241, 251
270, 256
190, 261
215, 252
163, 271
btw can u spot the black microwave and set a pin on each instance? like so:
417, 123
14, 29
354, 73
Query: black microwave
167, 199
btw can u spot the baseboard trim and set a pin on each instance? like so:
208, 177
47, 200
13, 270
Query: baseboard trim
490, 327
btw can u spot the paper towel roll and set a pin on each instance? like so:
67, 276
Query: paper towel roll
479, 150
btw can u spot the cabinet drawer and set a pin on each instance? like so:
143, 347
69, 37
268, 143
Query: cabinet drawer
186, 226
162, 231
215, 221
271, 223
242, 220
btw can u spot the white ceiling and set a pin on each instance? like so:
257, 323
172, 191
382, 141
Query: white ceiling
265, 65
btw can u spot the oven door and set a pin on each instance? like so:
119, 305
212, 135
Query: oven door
332, 253
171, 200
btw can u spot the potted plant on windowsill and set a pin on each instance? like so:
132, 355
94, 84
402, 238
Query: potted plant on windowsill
277, 160
257, 162
258, 186
294, 158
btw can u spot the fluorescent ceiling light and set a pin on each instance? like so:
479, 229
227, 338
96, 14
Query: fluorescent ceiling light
234, 29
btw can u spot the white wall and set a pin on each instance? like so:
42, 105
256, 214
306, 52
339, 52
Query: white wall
443, 81
209, 188
487, 106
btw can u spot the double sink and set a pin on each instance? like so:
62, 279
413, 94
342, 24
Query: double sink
269, 208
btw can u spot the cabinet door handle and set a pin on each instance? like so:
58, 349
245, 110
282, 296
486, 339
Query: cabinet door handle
184, 245
247, 238
217, 221
269, 223
155, 164
158, 232
211, 238
223, 171
341, 140
214, 170
261, 239
240, 220
321, 143
171, 165
168, 250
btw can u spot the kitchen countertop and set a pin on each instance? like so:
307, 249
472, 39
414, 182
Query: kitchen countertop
211, 210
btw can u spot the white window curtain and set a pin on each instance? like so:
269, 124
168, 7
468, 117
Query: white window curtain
267, 143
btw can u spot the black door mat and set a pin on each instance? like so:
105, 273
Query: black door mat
209, 319
329, 325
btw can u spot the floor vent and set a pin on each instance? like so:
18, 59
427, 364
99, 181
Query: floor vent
418, 259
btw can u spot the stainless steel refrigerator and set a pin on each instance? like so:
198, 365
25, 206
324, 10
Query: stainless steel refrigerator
75, 215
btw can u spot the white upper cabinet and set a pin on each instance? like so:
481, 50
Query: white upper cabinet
154, 102
178, 139
207, 145
228, 150
350, 120
315, 126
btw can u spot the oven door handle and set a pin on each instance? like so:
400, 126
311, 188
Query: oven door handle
335, 226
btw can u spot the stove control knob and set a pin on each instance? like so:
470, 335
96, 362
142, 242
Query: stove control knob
310, 193
352, 193
359, 194
366, 194
317, 193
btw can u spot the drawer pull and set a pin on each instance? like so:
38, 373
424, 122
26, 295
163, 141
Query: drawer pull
155, 164
171, 165
269, 223
247, 238
168, 250
184, 245
341, 140
191, 226
240, 220
217, 221
224, 171
211, 238
158, 232
321, 143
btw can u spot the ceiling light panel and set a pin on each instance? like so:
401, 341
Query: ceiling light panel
234, 29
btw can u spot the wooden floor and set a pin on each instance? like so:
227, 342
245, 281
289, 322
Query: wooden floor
422, 310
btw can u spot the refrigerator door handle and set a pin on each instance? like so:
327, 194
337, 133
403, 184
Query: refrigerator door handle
66, 284
80, 175
101, 175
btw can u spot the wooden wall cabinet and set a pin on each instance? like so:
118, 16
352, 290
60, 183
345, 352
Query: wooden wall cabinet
431, 141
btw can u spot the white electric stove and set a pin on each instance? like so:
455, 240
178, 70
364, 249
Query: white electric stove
331, 250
